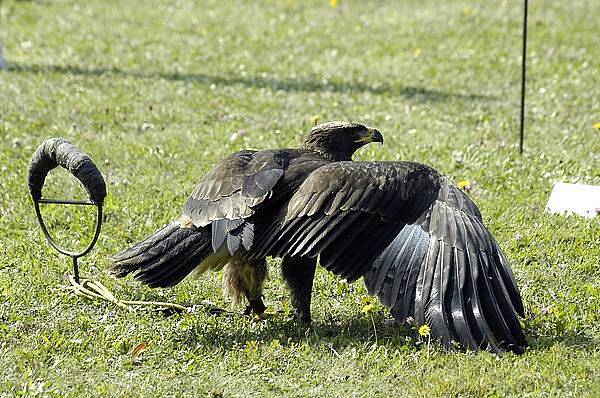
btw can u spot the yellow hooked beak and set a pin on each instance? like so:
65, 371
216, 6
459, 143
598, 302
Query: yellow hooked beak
371, 136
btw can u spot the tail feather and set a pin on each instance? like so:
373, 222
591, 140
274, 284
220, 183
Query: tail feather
167, 275
140, 252
164, 258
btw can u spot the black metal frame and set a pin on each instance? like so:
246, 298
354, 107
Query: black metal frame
74, 255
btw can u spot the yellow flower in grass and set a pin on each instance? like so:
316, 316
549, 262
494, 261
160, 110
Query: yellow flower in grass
333, 3
465, 185
368, 308
597, 125
424, 330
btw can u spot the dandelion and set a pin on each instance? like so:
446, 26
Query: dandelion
597, 125
465, 185
368, 308
424, 330
334, 3
251, 346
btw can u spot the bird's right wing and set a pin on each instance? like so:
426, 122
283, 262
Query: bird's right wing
235, 186
230, 193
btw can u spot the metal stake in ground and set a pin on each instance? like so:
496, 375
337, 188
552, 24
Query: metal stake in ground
523, 71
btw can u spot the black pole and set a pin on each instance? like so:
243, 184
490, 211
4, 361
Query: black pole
75, 269
523, 70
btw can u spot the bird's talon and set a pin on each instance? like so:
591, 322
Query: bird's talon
261, 316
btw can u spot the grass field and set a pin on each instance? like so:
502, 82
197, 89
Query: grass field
157, 91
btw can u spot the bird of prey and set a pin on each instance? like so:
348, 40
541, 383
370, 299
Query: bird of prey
418, 242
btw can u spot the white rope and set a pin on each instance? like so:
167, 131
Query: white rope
95, 290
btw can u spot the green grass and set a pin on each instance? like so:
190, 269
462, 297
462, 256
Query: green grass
439, 79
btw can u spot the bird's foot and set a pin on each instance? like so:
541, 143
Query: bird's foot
302, 317
256, 308
248, 310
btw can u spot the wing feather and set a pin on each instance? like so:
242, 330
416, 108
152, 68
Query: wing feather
233, 190
419, 242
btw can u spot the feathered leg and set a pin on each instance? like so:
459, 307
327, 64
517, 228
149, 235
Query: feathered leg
243, 280
299, 272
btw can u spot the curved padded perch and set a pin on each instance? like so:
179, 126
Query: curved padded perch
59, 152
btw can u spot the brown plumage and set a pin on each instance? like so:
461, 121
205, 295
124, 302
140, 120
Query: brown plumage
418, 241
229, 207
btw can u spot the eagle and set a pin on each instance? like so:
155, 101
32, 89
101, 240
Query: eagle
418, 242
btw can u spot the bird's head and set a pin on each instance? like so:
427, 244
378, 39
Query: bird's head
339, 140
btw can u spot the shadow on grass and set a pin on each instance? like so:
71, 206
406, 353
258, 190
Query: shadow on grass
342, 333
333, 334
546, 330
415, 93
571, 339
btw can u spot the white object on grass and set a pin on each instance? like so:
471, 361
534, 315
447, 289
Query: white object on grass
575, 198
3, 64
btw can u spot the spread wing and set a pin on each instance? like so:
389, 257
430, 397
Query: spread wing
230, 193
348, 212
447, 271
419, 242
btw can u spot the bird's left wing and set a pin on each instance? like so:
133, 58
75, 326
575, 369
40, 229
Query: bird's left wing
419, 241
348, 212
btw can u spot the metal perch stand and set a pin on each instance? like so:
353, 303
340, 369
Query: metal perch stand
74, 255
59, 152
56, 152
